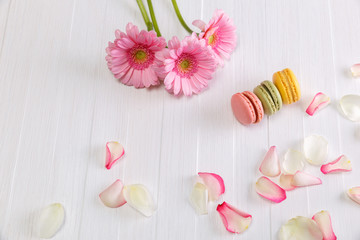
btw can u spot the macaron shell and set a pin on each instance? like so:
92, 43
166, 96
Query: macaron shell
278, 80
266, 100
243, 109
274, 92
256, 104
295, 88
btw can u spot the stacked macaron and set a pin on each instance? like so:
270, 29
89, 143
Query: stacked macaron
267, 97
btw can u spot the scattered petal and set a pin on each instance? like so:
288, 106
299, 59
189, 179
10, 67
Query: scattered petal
234, 220
319, 101
355, 70
315, 149
303, 179
50, 220
300, 228
270, 166
285, 182
199, 198
323, 220
113, 196
214, 183
354, 194
114, 151
270, 190
350, 105
138, 197
293, 161
341, 164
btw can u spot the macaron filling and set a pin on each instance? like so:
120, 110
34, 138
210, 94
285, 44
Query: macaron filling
274, 93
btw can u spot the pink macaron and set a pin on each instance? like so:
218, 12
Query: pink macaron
247, 108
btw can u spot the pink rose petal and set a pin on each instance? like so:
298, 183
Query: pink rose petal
270, 190
270, 166
319, 101
114, 151
354, 194
341, 164
112, 196
323, 220
285, 182
214, 183
234, 220
302, 179
355, 70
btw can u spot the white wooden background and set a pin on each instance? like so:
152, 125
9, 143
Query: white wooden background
59, 104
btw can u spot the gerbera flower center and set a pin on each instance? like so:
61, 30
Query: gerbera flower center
140, 57
186, 65
212, 40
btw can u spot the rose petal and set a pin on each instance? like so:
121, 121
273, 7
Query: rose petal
113, 196
300, 228
214, 183
354, 194
270, 190
319, 102
50, 220
138, 197
315, 149
293, 161
285, 182
234, 220
199, 198
199, 24
323, 220
355, 70
341, 164
114, 151
302, 179
270, 166
350, 106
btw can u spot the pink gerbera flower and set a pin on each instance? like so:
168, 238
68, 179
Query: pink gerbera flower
131, 56
186, 66
220, 34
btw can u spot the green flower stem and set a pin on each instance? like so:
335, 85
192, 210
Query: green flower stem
178, 14
145, 15
153, 18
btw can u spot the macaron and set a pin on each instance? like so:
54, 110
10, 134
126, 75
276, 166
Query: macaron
247, 108
288, 86
269, 97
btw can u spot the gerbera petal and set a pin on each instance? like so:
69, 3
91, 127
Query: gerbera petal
199, 24
234, 220
323, 220
270, 166
174, 43
132, 31
354, 194
113, 196
138, 197
214, 183
341, 164
303, 179
319, 102
186, 87
114, 151
177, 85
199, 198
270, 190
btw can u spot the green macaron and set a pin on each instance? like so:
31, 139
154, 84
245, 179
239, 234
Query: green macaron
269, 97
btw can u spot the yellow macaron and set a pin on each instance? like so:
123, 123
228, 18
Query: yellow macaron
288, 86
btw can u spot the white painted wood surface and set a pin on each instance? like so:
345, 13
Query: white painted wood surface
59, 104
